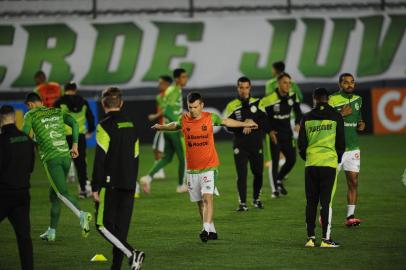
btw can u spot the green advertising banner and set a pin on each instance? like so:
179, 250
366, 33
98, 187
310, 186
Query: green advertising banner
132, 52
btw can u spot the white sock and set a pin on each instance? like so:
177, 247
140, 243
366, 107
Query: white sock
206, 227
350, 209
212, 229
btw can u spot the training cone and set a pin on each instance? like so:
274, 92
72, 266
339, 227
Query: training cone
98, 258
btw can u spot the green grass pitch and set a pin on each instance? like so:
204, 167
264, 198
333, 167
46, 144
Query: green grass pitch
166, 225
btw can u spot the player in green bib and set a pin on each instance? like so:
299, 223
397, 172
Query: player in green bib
48, 126
349, 105
172, 107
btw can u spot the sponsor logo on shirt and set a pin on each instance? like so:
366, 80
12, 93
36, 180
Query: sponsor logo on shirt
320, 128
55, 135
350, 124
58, 143
50, 119
254, 109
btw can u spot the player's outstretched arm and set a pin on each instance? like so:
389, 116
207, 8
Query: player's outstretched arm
168, 127
228, 122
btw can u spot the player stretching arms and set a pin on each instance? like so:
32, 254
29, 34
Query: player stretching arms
201, 156
349, 105
49, 130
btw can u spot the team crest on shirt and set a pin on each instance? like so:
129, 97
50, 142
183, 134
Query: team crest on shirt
357, 106
204, 128
253, 109
290, 102
356, 155
236, 151
276, 108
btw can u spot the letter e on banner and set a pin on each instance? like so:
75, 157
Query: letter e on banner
389, 110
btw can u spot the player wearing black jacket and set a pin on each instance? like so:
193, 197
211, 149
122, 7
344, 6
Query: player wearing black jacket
278, 107
79, 109
16, 164
114, 178
247, 142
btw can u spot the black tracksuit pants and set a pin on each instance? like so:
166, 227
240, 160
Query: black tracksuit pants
15, 205
80, 161
243, 155
113, 218
284, 145
319, 183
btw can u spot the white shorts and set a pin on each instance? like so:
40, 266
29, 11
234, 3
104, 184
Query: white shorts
199, 184
159, 142
351, 161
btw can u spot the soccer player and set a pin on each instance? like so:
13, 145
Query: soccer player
16, 164
159, 143
76, 106
349, 106
48, 91
278, 68
172, 109
247, 142
114, 178
278, 107
48, 127
321, 145
201, 156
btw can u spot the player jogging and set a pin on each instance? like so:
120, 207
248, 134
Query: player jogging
349, 105
271, 86
158, 145
278, 107
48, 126
172, 108
201, 156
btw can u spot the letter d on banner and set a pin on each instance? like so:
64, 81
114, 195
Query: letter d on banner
389, 110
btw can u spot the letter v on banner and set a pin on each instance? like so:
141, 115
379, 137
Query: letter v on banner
389, 110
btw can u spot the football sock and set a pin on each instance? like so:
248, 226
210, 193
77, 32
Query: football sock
350, 210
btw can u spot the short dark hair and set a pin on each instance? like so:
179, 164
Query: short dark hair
32, 97
193, 96
40, 73
279, 66
342, 75
320, 94
166, 78
282, 75
177, 72
243, 79
70, 86
111, 97
6, 109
